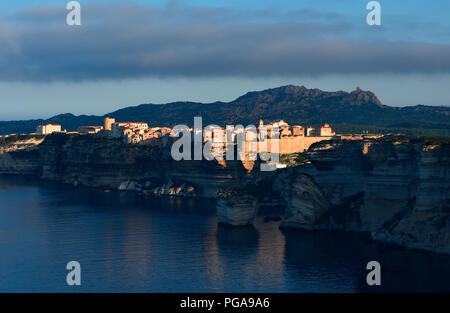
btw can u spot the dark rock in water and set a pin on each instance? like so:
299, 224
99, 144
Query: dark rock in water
272, 218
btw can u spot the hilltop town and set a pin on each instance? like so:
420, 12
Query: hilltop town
292, 138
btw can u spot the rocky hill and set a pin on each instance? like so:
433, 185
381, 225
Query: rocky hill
294, 104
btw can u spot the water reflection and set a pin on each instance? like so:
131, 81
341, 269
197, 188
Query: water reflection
340, 260
129, 242
241, 240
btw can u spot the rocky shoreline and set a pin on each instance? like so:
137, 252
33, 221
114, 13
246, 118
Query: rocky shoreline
398, 191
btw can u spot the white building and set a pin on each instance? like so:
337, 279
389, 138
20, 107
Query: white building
326, 130
316, 131
48, 129
279, 124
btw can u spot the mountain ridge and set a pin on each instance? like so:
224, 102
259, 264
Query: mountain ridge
294, 104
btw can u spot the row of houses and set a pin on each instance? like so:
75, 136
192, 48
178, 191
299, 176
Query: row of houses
131, 132
139, 131
135, 132
284, 130
287, 130
290, 136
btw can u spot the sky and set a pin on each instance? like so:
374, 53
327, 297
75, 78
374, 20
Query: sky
157, 51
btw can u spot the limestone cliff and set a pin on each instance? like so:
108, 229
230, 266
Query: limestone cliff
19, 155
21, 162
305, 201
398, 191
98, 161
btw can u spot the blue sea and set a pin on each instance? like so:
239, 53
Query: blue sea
127, 242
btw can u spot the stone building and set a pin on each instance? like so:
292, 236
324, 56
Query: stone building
89, 129
326, 130
298, 130
48, 129
312, 131
108, 122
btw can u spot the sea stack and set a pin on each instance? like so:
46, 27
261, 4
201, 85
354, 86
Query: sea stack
236, 210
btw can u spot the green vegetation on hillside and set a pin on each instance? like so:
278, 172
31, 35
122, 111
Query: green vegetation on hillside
417, 139
422, 128
297, 105
293, 159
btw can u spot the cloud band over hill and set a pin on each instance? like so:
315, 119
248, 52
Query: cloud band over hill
128, 40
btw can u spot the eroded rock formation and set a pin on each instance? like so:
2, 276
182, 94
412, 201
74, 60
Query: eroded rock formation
236, 210
398, 191
306, 201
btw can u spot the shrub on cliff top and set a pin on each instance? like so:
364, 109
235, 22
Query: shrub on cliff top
416, 139
293, 159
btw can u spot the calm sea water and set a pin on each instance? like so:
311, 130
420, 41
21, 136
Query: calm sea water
131, 243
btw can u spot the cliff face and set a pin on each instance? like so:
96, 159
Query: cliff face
305, 200
397, 191
97, 161
21, 156
400, 192
21, 162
